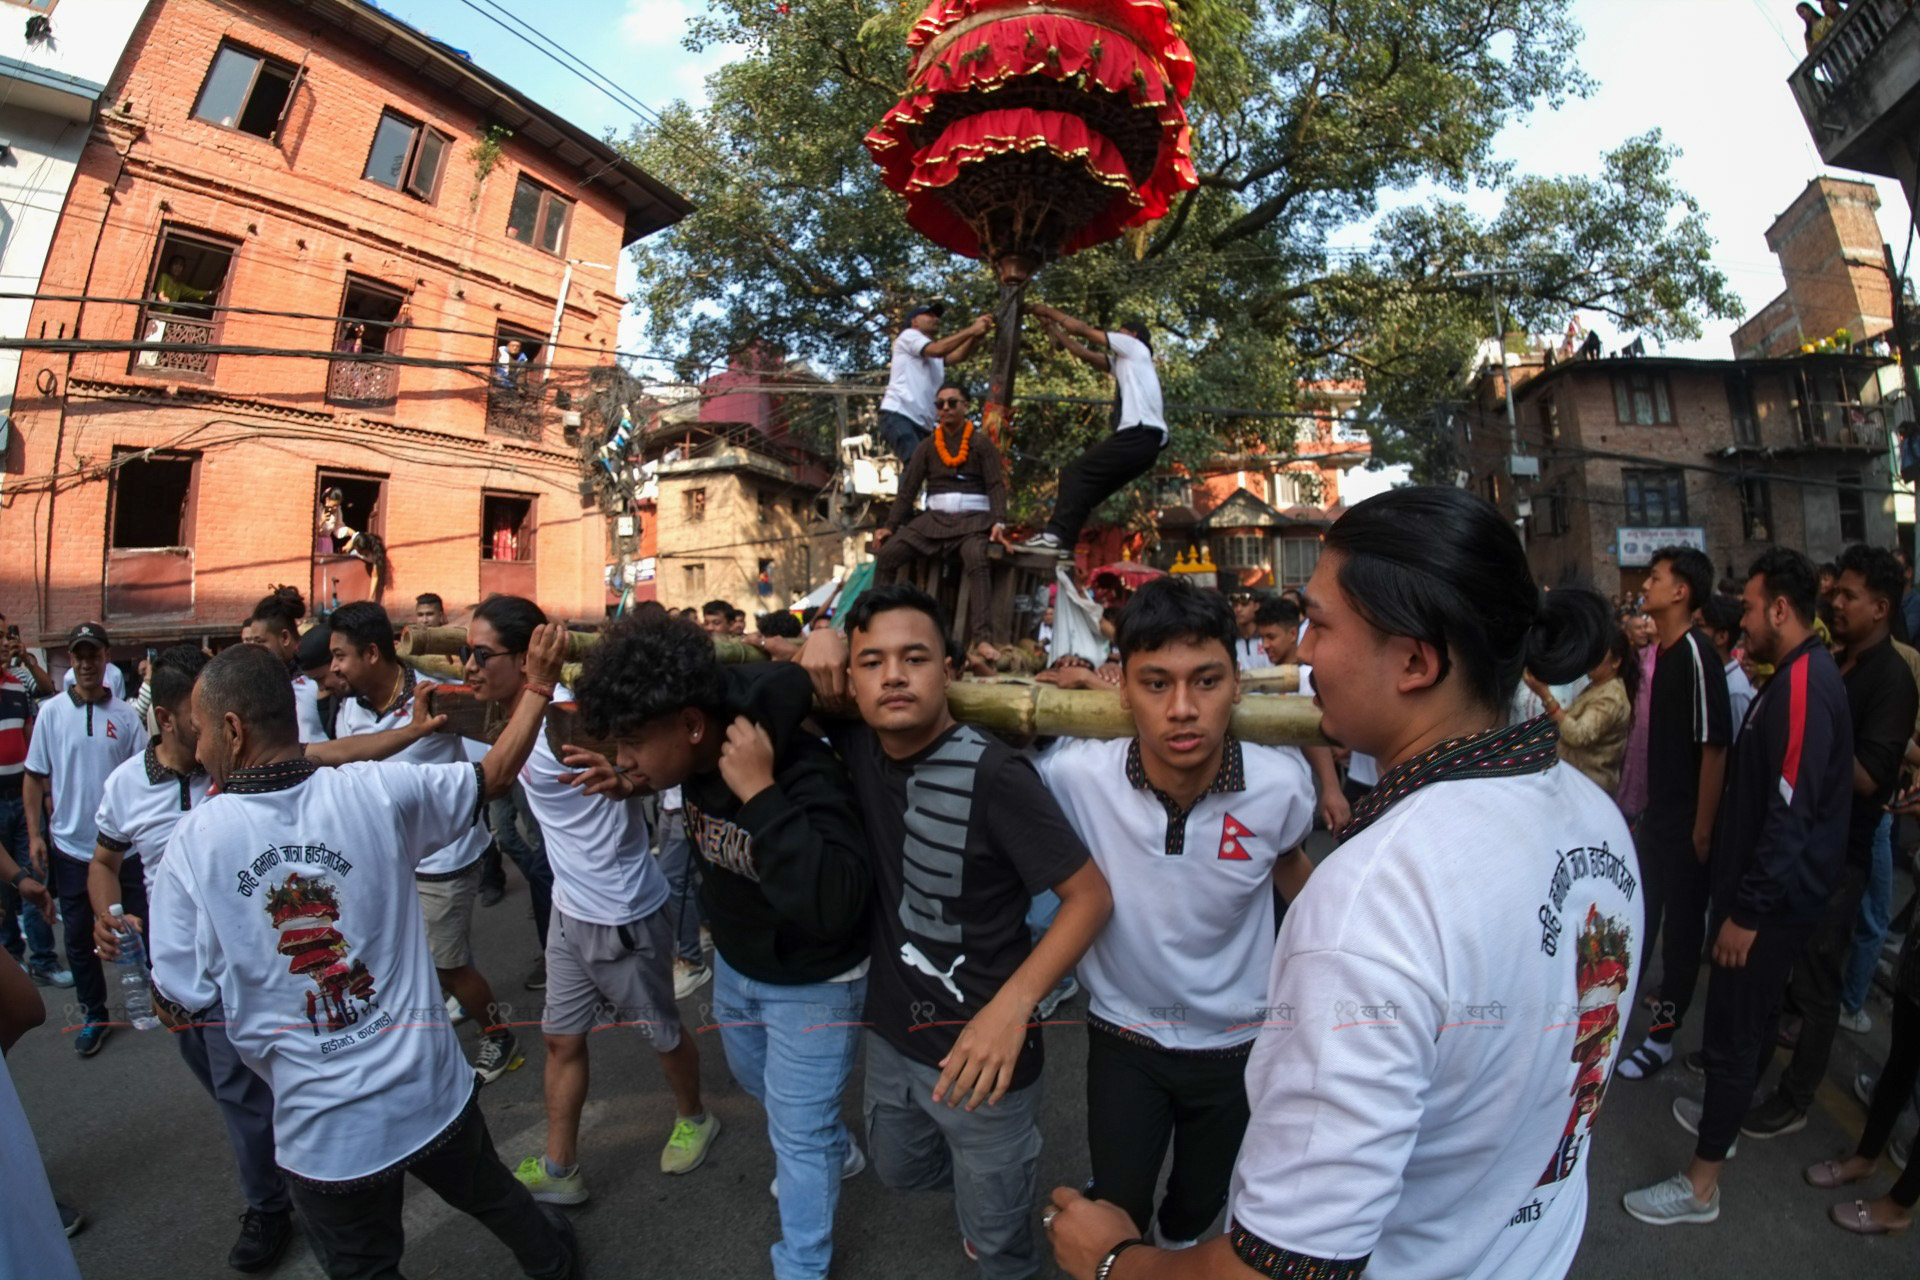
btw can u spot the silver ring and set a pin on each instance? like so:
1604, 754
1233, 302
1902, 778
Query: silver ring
1046, 1219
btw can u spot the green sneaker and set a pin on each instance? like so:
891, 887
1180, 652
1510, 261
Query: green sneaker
686, 1150
533, 1175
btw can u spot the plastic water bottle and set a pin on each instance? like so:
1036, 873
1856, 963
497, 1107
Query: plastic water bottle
133, 975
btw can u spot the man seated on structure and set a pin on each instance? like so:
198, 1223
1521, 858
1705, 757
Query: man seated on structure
966, 487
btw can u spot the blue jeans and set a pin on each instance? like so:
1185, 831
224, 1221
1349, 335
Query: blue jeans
1870, 929
792, 1048
36, 952
683, 896
518, 836
902, 434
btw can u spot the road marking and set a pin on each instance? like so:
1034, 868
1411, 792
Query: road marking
426, 1212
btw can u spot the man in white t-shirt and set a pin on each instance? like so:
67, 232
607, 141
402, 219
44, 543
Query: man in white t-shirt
915, 373
609, 953
111, 676
286, 908
79, 737
1193, 829
1139, 423
1249, 647
449, 876
275, 624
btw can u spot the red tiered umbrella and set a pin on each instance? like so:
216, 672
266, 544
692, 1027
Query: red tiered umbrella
1036, 128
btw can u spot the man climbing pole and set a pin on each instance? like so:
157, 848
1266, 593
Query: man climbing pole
916, 372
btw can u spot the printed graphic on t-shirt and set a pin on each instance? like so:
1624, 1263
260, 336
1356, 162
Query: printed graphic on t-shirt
1232, 832
721, 842
305, 910
1603, 960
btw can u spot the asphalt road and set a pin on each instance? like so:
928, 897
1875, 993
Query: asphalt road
129, 1137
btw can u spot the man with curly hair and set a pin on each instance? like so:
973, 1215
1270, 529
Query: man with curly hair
785, 883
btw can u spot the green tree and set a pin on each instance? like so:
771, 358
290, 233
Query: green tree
1304, 115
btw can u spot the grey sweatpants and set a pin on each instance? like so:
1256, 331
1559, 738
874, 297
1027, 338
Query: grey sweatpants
989, 1158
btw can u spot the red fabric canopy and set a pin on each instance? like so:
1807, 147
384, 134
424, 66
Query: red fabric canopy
990, 75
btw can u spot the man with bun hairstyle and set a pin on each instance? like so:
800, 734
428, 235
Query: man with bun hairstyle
275, 624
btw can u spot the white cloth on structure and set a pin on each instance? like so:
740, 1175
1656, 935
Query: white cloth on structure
294, 909
1132, 362
913, 377
1439, 1036
1076, 622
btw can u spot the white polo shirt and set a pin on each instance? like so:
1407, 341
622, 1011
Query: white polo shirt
1445, 1010
142, 803
288, 901
357, 717
597, 845
1250, 653
1184, 959
75, 746
913, 378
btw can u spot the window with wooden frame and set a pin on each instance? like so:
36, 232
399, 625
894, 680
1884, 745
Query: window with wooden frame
152, 500
1298, 558
506, 527
407, 156
247, 91
186, 285
1853, 507
693, 579
538, 216
1654, 498
1642, 399
369, 325
1756, 509
694, 504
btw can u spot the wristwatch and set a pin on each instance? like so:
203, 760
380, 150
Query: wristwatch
24, 873
1105, 1268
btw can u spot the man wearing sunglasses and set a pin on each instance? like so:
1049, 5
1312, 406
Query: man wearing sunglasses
918, 368
966, 487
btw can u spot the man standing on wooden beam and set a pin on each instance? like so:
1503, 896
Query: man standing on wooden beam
917, 370
1139, 424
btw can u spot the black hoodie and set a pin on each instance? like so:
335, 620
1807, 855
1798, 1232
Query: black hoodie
786, 880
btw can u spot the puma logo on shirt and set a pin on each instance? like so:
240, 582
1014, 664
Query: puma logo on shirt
917, 959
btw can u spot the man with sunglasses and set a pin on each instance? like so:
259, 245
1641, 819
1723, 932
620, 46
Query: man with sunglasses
448, 878
966, 486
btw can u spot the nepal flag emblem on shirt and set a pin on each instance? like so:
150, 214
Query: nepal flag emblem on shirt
1231, 833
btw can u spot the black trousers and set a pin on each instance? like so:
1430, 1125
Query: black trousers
1687, 888
1743, 1006
1139, 1099
76, 919
1890, 1096
356, 1235
1815, 989
1098, 474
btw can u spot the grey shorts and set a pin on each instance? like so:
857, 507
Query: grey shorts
611, 975
448, 907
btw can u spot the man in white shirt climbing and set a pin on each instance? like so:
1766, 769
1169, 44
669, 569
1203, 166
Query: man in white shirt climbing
916, 372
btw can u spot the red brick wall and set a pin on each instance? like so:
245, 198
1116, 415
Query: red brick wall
303, 219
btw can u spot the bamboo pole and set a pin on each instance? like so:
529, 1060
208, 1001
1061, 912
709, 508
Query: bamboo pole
427, 643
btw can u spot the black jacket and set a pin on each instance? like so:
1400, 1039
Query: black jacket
1781, 836
784, 877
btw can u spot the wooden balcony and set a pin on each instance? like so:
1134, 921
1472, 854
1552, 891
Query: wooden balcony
1859, 90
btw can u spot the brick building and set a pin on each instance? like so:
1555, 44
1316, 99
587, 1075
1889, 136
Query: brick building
364, 221
1733, 456
1830, 250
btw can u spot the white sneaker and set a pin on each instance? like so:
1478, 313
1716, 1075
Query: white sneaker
455, 1014
689, 978
1042, 541
1668, 1203
1064, 990
1857, 1021
852, 1167
1160, 1241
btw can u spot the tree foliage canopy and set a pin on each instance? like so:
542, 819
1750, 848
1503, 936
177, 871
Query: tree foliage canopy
1305, 115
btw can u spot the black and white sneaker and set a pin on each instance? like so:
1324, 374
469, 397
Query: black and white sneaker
1651, 1056
499, 1054
1773, 1118
1044, 542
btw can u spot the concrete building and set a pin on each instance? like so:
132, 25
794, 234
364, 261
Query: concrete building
1859, 91
310, 237
1829, 246
1730, 456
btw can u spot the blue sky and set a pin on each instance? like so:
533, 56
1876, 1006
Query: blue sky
1710, 73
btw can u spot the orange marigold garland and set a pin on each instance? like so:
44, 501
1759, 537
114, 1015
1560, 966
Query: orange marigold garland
953, 460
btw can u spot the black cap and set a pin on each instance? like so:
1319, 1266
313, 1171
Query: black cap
313, 651
87, 633
934, 309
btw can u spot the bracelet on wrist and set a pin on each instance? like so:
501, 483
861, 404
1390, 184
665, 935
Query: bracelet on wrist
1105, 1269
541, 688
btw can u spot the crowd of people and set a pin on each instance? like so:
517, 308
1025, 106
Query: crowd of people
1343, 1057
